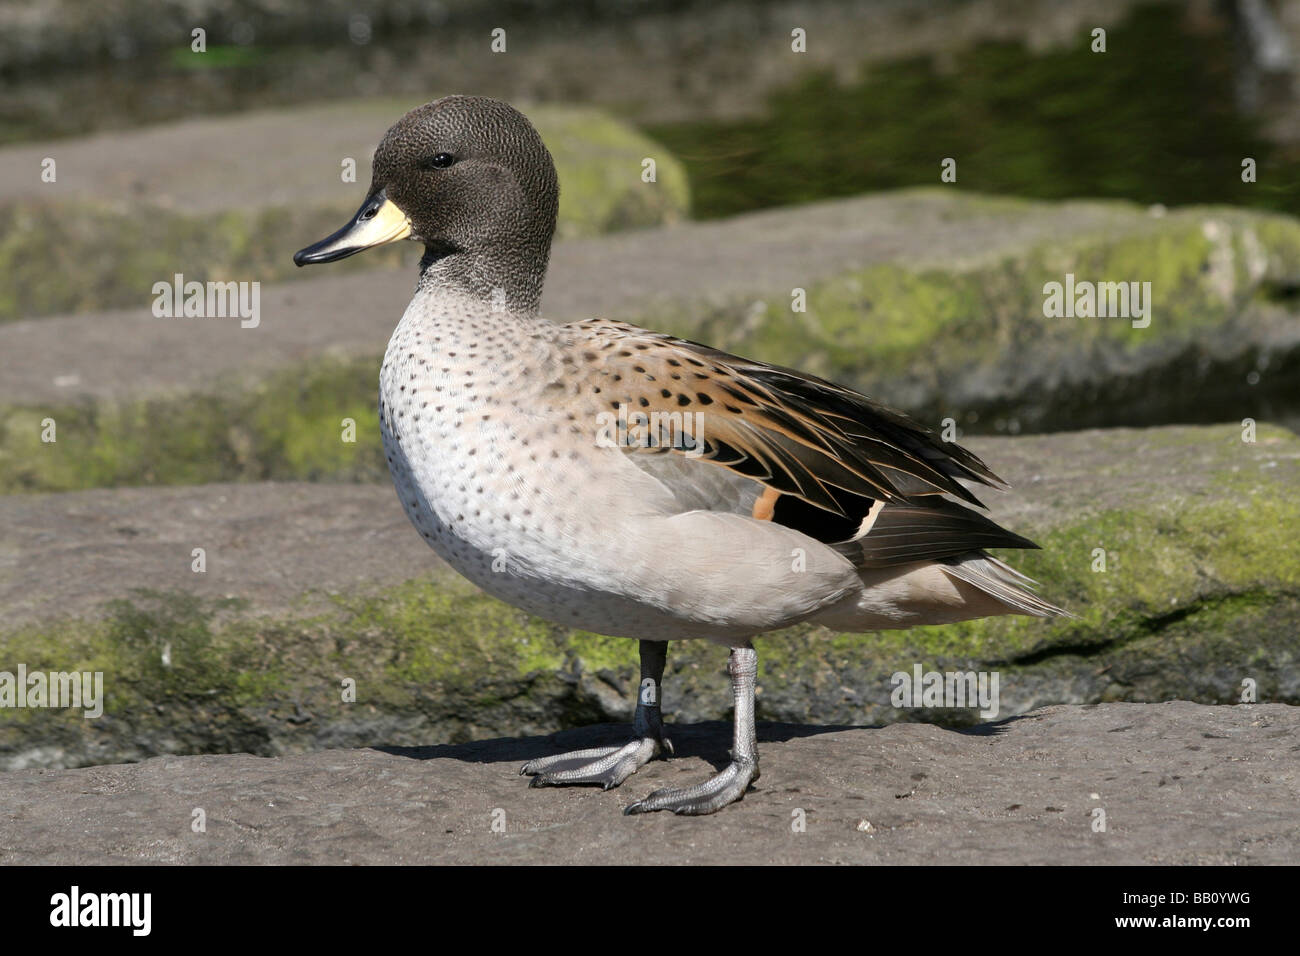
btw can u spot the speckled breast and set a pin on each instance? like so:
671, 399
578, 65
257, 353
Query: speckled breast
486, 469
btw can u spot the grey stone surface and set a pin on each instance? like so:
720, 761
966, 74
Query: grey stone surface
272, 544
1179, 783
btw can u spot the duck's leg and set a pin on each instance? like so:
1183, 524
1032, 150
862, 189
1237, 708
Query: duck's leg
610, 766
730, 785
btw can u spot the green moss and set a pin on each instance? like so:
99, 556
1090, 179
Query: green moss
599, 652
152, 648
1201, 588
288, 426
110, 255
217, 57
445, 633
181, 668
600, 164
1223, 552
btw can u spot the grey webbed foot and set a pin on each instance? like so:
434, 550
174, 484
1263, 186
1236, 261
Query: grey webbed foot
707, 797
606, 766
610, 766
730, 785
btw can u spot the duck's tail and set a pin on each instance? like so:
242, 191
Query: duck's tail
1003, 582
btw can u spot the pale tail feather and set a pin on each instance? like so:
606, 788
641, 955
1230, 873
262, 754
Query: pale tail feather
1003, 582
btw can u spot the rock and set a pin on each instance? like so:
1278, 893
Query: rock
1171, 784
947, 333
231, 198
1175, 547
927, 300
126, 62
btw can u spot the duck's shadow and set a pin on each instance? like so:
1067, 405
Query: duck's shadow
709, 741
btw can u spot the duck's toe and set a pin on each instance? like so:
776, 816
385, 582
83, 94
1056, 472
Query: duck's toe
707, 797
603, 766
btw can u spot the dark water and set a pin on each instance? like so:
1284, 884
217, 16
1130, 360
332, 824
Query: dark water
1153, 119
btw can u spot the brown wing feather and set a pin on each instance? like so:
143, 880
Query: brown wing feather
825, 444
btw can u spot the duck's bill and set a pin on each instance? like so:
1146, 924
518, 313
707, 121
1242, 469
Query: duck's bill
376, 223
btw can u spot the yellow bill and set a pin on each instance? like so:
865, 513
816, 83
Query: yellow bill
376, 223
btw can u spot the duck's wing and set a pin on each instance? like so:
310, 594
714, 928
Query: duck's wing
792, 448
795, 433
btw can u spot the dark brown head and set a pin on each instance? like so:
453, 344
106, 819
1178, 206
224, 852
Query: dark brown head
470, 178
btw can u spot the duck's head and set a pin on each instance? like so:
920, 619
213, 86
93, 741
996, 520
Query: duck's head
470, 178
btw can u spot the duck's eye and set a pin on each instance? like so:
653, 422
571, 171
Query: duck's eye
438, 161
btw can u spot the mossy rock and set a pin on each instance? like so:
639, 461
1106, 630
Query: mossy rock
288, 425
946, 322
230, 198
966, 336
1174, 548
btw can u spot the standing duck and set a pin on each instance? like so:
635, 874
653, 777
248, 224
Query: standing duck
623, 481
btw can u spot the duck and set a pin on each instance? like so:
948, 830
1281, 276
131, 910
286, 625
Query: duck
627, 482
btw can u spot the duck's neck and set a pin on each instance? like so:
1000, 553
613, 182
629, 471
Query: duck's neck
506, 284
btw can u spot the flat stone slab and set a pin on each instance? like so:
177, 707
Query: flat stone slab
271, 157
191, 164
271, 544
1178, 783
276, 543
680, 271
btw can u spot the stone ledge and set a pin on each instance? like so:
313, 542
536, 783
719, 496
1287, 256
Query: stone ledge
1179, 783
